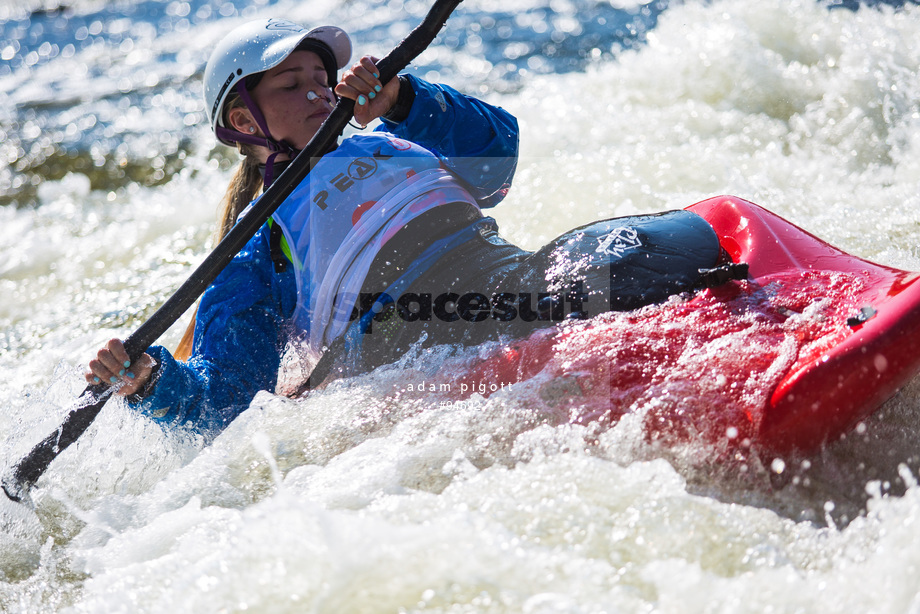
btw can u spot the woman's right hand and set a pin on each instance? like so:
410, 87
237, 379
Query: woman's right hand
362, 84
113, 366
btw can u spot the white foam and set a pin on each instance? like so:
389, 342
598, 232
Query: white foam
363, 497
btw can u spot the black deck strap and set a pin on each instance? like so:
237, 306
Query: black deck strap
866, 313
274, 241
711, 278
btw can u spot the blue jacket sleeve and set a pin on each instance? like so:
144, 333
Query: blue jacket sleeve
476, 141
237, 348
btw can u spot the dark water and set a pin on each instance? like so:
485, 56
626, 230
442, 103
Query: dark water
125, 119
76, 123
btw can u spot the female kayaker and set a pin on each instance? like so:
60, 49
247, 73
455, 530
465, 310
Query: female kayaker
383, 244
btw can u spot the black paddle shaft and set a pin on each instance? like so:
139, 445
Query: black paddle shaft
17, 482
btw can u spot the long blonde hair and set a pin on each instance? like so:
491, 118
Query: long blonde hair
245, 185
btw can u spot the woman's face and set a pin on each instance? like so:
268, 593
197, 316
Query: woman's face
282, 97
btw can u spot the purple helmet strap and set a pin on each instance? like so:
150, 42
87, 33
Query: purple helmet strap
267, 141
243, 91
238, 137
269, 174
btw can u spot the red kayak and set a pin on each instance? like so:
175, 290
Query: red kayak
810, 344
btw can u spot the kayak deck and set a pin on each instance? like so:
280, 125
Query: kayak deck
814, 341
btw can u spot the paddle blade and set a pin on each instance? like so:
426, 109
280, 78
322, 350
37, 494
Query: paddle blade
17, 482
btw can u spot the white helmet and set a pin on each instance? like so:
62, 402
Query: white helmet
257, 46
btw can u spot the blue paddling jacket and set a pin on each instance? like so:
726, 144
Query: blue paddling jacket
245, 318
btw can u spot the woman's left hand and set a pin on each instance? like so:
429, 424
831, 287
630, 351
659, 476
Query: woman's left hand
112, 365
362, 84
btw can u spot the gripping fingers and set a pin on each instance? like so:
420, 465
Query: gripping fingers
114, 360
113, 366
362, 82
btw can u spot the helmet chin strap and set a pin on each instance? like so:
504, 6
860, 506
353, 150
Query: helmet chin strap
276, 147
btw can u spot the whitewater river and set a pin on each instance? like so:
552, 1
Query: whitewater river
360, 498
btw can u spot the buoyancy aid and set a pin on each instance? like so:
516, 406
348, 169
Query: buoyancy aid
355, 199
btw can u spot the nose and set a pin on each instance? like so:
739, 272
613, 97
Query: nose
311, 96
